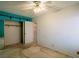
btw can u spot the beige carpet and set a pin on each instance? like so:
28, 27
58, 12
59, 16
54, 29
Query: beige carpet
39, 52
32, 52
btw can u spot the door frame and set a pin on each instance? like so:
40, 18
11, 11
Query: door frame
23, 32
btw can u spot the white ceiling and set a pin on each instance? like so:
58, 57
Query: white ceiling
24, 7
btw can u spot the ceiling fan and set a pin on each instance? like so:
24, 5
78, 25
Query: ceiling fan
36, 6
41, 6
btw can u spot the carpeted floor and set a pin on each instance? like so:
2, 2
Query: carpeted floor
32, 52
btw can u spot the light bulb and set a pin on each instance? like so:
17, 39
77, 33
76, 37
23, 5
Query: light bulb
37, 10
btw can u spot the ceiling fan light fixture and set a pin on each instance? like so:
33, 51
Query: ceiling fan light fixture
37, 10
39, 6
36, 3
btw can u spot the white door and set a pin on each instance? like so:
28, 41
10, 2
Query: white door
29, 33
12, 32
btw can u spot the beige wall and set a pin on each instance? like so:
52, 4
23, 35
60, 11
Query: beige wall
60, 31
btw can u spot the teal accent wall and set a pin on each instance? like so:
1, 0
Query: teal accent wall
1, 28
9, 16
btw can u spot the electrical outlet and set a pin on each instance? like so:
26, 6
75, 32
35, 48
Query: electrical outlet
78, 52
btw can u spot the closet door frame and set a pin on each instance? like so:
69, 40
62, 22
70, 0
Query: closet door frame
21, 34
